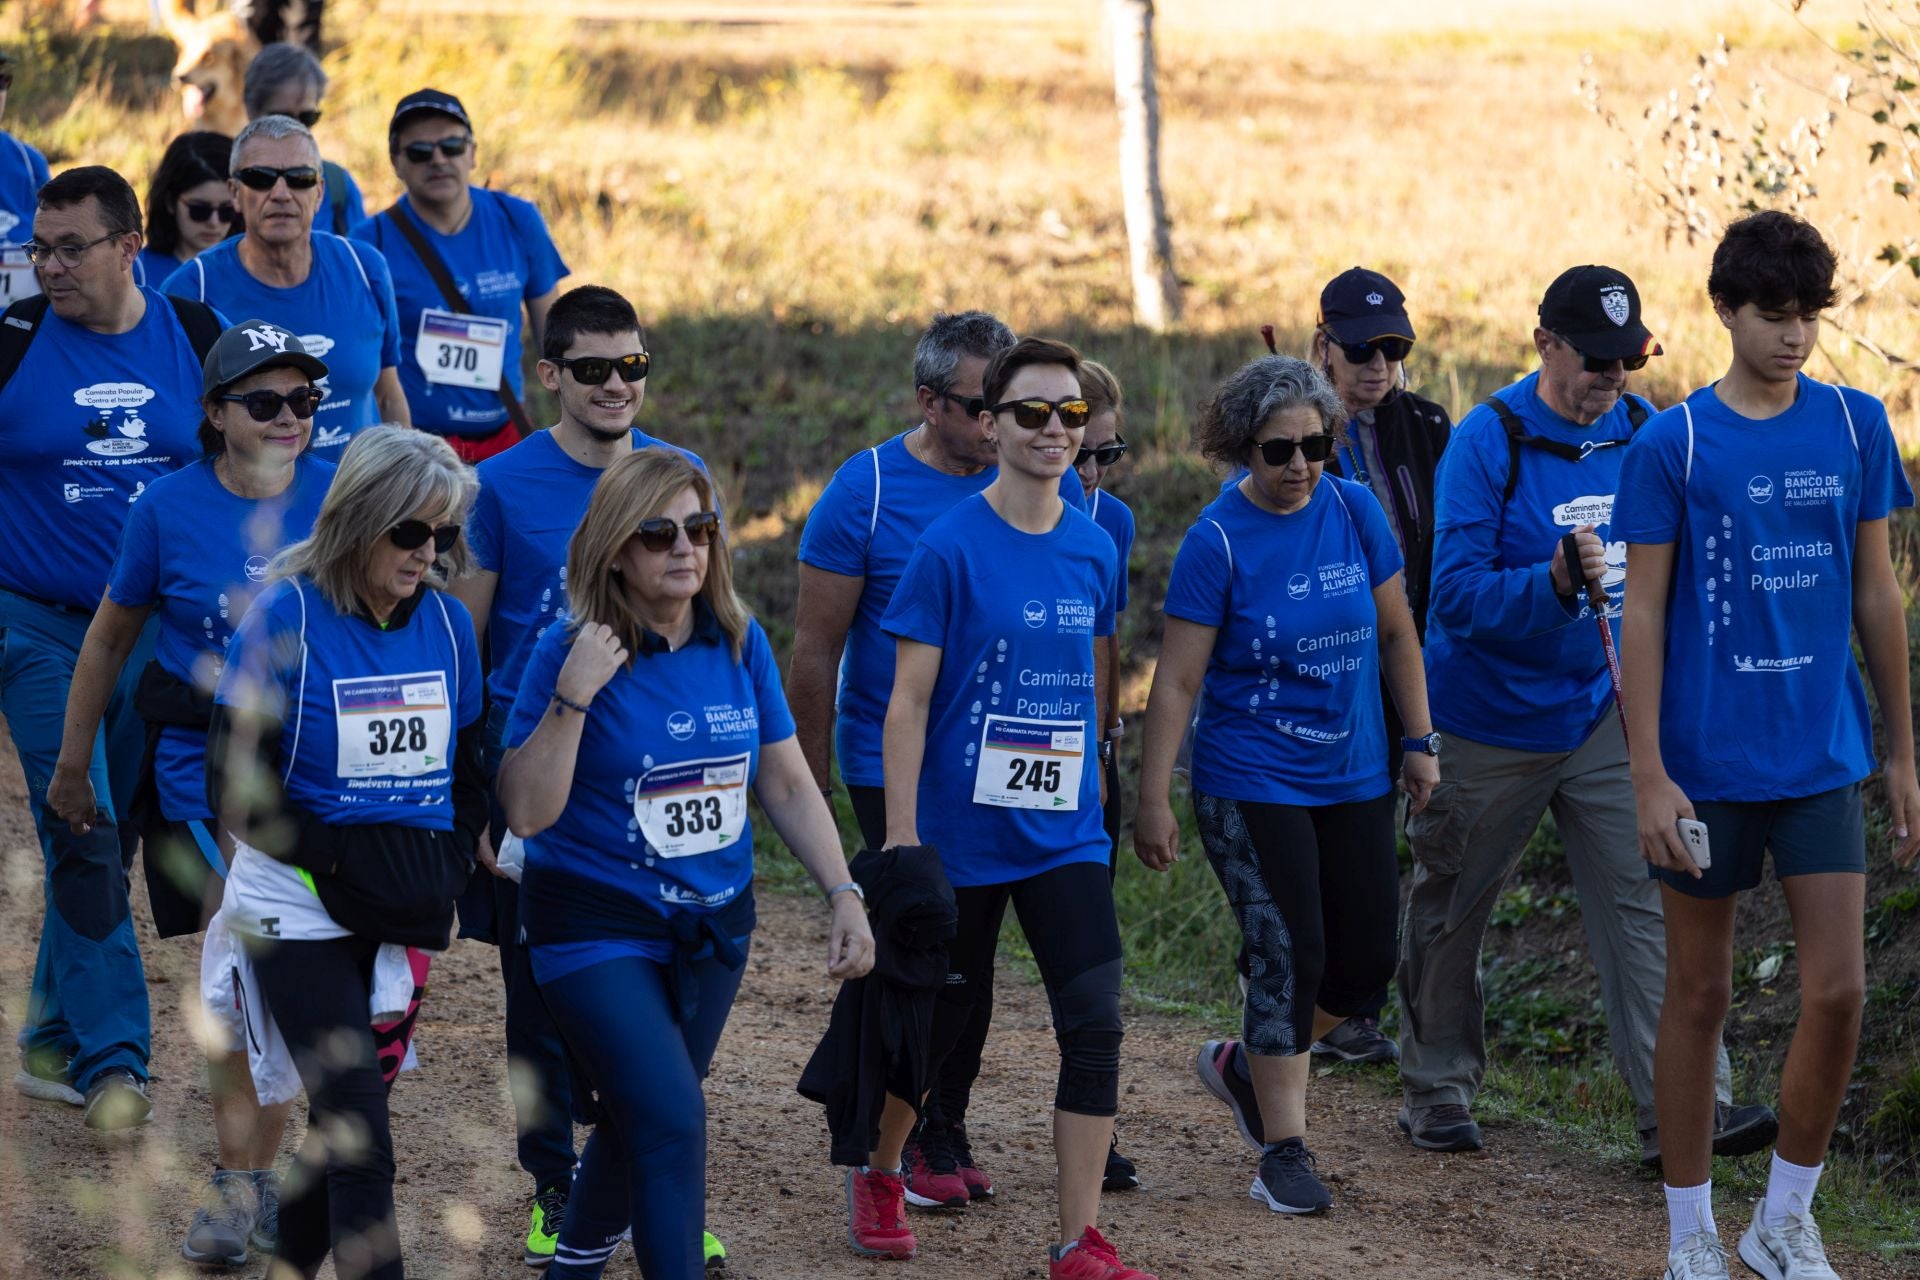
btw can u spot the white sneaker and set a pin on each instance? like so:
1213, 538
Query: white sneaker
1791, 1251
1700, 1256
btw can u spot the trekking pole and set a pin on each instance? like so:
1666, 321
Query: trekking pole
1597, 600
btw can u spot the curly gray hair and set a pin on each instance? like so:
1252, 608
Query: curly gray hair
1235, 412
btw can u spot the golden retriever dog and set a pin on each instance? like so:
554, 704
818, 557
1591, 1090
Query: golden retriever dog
215, 49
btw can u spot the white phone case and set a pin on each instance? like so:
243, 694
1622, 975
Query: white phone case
1693, 834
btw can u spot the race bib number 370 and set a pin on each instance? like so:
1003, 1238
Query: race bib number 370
1030, 764
693, 806
460, 350
392, 726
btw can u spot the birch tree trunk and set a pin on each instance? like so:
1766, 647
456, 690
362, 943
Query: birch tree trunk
1156, 289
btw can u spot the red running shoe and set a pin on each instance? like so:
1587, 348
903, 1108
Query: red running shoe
877, 1216
932, 1176
979, 1185
1091, 1258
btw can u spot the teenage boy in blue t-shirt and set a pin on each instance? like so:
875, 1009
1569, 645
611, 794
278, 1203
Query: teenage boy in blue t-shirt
1755, 517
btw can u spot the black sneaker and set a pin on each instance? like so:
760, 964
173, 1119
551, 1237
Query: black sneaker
1737, 1131
1357, 1040
117, 1099
1286, 1182
1120, 1175
1216, 1069
1447, 1127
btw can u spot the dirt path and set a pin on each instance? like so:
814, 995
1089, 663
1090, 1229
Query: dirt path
78, 1205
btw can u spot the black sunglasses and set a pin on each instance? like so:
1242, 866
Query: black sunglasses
450, 146
1394, 349
264, 406
410, 534
308, 118
302, 177
201, 211
1032, 415
660, 533
591, 371
1594, 364
6, 81
1279, 453
974, 405
1106, 455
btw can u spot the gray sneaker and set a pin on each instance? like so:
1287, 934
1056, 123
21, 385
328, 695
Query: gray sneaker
117, 1099
46, 1080
1700, 1256
1357, 1040
217, 1236
266, 1227
1791, 1251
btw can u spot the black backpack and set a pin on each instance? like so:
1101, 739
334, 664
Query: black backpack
22, 321
1637, 414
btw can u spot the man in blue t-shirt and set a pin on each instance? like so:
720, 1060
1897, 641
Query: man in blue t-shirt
1755, 515
531, 498
105, 400
461, 364
23, 170
1520, 692
286, 80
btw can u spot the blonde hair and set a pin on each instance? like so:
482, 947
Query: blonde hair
639, 487
387, 474
1101, 390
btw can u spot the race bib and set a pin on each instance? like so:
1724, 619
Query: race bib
693, 806
16, 276
457, 350
392, 726
1030, 764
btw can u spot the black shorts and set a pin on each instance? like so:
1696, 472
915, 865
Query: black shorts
1808, 835
185, 873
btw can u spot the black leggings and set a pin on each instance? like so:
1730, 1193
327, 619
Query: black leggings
1316, 892
338, 1200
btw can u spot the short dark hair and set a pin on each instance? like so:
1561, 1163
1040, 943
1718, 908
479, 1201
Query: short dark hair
190, 159
1027, 351
591, 308
119, 208
1776, 261
951, 336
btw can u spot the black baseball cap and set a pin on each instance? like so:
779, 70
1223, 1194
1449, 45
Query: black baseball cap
1597, 311
426, 102
1359, 305
251, 346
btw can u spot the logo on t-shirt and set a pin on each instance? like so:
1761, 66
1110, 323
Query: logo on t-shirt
1808, 488
256, 569
1591, 508
1034, 614
1342, 578
116, 426
317, 344
81, 492
8, 221
1772, 664
1760, 489
680, 726
329, 438
1298, 586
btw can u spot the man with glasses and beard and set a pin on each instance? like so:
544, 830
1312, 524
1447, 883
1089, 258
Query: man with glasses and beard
465, 261
595, 362
1522, 699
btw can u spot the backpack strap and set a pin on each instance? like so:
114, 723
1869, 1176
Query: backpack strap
336, 180
1637, 413
17, 327
201, 322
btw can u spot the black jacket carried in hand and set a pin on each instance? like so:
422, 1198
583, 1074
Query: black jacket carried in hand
876, 1041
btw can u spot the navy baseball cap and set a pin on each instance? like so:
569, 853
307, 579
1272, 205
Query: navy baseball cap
1596, 310
251, 346
426, 102
1359, 305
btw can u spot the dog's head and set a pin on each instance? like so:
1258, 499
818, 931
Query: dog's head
212, 66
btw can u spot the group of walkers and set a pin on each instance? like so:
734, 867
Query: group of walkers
268, 621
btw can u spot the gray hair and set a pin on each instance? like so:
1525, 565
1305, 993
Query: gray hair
270, 127
964, 333
1234, 413
387, 474
278, 64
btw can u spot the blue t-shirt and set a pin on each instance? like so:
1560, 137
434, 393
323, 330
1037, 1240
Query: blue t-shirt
23, 171
354, 211
1116, 518
1509, 662
1290, 707
503, 258
531, 500
370, 716
344, 313
1015, 616
668, 756
866, 525
153, 269
199, 551
1761, 698
87, 422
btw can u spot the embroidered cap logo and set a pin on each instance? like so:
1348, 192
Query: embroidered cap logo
1613, 301
266, 336
1374, 300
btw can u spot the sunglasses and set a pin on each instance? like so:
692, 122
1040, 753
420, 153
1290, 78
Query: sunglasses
974, 405
6, 81
1032, 415
1594, 364
660, 533
302, 177
591, 371
1105, 456
308, 118
1279, 453
264, 406
202, 211
421, 152
411, 534
1394, 349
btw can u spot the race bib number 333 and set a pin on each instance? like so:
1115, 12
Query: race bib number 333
392, 726
1030, 764
692, 806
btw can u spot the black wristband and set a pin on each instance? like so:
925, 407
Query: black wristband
569, 703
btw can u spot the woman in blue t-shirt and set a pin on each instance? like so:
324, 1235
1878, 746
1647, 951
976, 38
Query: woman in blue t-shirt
1284, 609
189, 205
639, 731
344, 758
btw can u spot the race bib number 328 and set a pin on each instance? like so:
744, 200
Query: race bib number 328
1030, 764
392, 726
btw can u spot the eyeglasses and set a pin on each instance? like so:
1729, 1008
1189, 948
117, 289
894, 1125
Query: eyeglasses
660, 533
308, 118
302, 177
1594, 364
451, 146
69, 254
264, 406
1032, 415
974, 405
1279, 453
1394, 349
201, 211
409, 535
1105, 456
591, 371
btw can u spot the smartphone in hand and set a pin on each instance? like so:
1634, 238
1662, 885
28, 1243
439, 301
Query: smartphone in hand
1693, 834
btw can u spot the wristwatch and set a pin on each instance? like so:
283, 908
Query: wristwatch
1427, 746
851, 886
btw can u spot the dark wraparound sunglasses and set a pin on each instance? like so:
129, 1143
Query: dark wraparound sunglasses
1032, 415
201, 211
264, 406
411, 534
308, 118
451, 146
1279, 453
1594, 364
1394, 349
6, 81
660, 533
593, 370
301, 177
974, 405
1106, 455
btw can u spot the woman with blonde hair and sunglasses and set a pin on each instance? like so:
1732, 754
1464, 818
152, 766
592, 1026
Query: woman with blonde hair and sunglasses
638, 731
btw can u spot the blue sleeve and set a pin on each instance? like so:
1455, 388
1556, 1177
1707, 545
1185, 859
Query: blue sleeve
1651, 501
1883, 480
473, 677
545, 267
1200, 587
356, 204
1376, 536
484, 526
838, 528
1125, 547
1472, 595
1110, 585
923, 601
190, 281
537, 684
42, 175
776, 721
135, 580
382, 277
1071, 491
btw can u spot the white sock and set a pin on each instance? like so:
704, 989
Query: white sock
1689, 1209
1789, 1188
